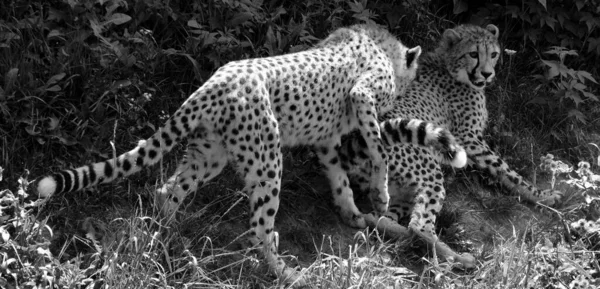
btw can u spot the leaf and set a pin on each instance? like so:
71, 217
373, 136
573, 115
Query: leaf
355, 7
577, 115
54, 88
549, 21
120, 84
576, 84
278, 12
594, 45
10, 78
590, 95
194, 24
589, 20
66, 139
73, 3
54, 33
586, 75
32, 130
460, 6
44, 252
112, 7
573, 95
119, 18
553, 69
239, 19
52, 123
55, 78
96, 27
543, 2
5, 235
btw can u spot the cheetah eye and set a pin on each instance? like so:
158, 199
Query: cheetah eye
474, 54
494, 54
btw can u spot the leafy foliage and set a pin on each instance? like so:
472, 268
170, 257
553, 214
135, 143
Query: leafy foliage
26, 258
559, 28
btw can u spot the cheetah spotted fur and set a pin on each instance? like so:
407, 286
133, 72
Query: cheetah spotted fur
448, 91
250, 108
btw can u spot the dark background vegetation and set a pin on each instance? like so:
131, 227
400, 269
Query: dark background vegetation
79, 74
81, 79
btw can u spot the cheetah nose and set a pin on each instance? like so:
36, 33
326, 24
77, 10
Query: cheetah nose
486, 75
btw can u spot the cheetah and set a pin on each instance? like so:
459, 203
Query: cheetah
250, 108
448, 91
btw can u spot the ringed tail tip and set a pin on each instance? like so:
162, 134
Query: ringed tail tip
46, 186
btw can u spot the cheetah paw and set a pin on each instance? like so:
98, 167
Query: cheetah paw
293, 278
353, 220
464, 260
467, 260
379, 201
550, 197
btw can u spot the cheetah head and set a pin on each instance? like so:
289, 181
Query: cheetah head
470, 53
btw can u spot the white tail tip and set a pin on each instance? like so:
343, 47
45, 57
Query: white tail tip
460, 159
46, 187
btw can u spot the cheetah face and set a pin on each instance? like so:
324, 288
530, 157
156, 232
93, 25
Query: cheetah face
477, 67
471, 53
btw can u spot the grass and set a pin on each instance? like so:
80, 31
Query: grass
116, 239
119, 90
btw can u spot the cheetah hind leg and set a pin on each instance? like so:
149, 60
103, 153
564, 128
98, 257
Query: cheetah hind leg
205, 158
262, 178
264, 203
343, 197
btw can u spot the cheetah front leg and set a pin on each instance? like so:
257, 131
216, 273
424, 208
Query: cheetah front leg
483, 158
363, 104
426, 194
428, 204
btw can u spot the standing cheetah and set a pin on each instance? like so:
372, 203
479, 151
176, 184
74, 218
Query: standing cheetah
250, 108
448, 91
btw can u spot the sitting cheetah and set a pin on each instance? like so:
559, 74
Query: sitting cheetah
448, 91
250, 108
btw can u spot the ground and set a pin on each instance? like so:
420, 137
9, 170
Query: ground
475, 218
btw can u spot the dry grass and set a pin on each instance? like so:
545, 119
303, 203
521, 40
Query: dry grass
116, 239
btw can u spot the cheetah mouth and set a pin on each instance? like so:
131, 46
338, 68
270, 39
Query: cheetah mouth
478, 84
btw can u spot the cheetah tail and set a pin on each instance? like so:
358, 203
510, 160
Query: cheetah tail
101, 172
147, 152
422, 133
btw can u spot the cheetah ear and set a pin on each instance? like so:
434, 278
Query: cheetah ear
412, 55
450, 37
494, 29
